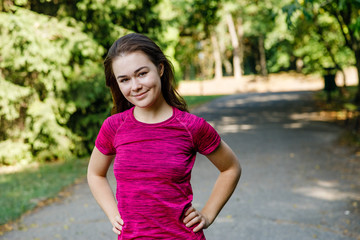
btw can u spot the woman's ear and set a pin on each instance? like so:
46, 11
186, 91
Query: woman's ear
161, 69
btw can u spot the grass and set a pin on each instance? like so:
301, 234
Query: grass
194, 101
23, 190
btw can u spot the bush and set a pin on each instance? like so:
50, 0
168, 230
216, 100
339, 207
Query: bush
41, 59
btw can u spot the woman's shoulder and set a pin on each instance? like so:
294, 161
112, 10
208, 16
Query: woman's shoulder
191, 120
186, 116
117, 119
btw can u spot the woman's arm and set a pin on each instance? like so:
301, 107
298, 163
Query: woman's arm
100, 188
230, 170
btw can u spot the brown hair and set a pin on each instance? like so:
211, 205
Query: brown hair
138, 42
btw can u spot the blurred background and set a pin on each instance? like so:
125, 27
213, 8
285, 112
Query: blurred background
53, 97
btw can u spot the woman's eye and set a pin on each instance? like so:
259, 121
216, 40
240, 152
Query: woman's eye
124, 80
142, 74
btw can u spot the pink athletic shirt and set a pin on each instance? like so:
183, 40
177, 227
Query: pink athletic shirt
152, 168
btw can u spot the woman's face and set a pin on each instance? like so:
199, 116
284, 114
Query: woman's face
138, 79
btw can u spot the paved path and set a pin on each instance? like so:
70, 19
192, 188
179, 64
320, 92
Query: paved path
296, 183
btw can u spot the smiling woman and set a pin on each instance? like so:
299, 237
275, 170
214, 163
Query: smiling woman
139, 81
135, 45
153, 141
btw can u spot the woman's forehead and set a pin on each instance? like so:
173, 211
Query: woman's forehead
131, 61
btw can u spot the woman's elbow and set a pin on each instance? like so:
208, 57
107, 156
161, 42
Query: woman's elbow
237, 170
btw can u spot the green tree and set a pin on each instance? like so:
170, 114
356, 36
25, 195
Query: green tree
105, 20
40, 55
324, 15
109, 19
196, 21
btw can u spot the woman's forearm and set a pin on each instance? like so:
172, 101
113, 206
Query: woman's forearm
222, 191
104, 196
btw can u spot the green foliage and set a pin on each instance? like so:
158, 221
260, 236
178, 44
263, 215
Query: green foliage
14, 152
195, 20
266, 18
107, 20
10, 99
92, 100
40, 55
198, 17
322, 40
322, 46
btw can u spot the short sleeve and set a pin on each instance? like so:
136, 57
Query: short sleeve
105, 139
206, 139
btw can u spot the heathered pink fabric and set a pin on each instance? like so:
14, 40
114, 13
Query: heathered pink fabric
152, 167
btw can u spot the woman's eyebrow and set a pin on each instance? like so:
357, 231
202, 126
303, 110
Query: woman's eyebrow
136, 71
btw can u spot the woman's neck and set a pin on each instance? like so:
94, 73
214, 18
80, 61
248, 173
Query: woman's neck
154, 114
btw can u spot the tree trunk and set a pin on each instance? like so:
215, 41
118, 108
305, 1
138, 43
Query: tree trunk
263, 67
224, 58
240, 32
235, 44
217, 57
299, 64
344, 78
228, 67
357, 59
186, 74
321, 31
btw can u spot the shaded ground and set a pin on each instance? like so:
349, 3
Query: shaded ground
297, 182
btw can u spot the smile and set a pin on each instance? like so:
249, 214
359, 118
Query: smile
140, 94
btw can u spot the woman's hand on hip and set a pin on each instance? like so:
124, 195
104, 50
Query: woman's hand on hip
117, 224
192, 217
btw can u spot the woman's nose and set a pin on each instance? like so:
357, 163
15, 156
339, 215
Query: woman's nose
135, 84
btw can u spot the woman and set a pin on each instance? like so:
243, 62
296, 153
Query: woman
153, 141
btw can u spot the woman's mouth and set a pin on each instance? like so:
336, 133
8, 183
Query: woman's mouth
140, 95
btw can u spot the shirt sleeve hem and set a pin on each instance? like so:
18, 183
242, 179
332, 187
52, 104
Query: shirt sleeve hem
212, 147
103, 150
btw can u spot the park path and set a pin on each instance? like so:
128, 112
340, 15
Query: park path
297, 182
